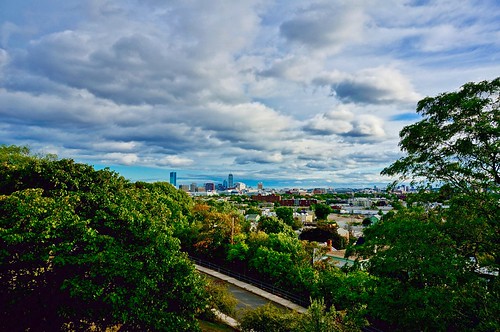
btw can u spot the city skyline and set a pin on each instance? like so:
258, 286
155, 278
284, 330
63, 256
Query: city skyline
297, 94
187, 179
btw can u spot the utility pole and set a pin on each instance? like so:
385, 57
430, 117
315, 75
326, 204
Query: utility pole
232, 230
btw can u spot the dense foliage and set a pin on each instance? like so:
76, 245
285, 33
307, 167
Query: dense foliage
457, 141
80, 248
317, 318
322, 211
285, 214
423, 280
437, 268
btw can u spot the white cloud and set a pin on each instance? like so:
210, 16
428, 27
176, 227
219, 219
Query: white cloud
333, 122
345, 123
287, 89
121, 158
175, 161
115, 146
367, 126
380, 85
259, 158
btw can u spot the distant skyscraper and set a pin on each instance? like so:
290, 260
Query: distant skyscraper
173, 179
230, 183
210, 186
260, 186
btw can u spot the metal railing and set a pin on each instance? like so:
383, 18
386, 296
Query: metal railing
268, 287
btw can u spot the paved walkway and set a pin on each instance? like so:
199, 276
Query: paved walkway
227, 320
250, 288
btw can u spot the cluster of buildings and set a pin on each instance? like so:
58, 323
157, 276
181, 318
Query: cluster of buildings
273, 198
227, 186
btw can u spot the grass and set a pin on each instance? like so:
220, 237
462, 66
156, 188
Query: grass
215, 327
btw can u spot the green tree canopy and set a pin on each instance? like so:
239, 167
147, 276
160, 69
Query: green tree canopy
274, 225
214, 229
438, 268
457, 144
457, 141
285, 214
322, 211
423, 283
81, 247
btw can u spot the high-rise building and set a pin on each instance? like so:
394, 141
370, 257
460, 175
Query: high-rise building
210, 186
192, 187
230, 182
173, 179
260, 186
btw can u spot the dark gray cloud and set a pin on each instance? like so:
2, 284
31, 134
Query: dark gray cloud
378, 85
324, 25
320, 165
259, 158
133, 69
358, 92
347, 126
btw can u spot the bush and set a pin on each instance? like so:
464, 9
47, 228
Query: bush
269, 318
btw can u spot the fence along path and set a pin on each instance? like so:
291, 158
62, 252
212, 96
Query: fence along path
265, 290
260, 288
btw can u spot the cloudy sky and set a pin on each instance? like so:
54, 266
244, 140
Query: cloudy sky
287, 92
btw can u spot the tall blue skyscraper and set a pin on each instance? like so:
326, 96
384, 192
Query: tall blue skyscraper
173, 179
230, 183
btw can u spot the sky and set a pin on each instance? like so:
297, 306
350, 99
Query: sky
289, 93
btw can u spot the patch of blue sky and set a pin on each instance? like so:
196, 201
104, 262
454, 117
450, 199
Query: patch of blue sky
406, 117
28, 19
138, 173
463, 57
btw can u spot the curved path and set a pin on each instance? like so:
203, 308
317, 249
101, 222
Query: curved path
250, 288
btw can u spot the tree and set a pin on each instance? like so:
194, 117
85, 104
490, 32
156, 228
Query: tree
80, 247
253, 210
214, 229
457, 144
348, 292
422, 282
438, 268
274, 225
319, 318
322, 211
323, 233
457, 141
285, 214
367, 221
